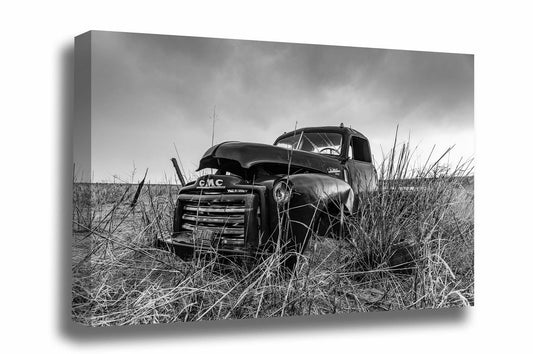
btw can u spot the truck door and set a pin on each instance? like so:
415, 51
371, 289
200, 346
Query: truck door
361, 172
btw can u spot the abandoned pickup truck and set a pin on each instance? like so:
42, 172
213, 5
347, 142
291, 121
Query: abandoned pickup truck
263, 196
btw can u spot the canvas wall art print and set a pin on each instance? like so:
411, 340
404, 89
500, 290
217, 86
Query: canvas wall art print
218, 179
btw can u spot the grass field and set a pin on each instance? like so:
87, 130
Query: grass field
421, 218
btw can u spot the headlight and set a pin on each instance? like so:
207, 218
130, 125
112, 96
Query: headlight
281, 192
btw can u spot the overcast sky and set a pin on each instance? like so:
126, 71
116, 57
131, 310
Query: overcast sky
150, 92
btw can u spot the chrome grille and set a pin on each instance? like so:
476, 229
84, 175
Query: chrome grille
223, 214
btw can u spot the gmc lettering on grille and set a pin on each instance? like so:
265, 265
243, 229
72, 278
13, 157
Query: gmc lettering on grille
211, 183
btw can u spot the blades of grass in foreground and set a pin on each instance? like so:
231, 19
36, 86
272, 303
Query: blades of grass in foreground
410, 245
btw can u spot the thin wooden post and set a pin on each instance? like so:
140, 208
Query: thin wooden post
138, 192
213, 128
178, 171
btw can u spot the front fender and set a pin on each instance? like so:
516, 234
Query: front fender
312, 197
321, 190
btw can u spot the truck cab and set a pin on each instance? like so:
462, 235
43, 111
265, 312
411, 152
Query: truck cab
346, 145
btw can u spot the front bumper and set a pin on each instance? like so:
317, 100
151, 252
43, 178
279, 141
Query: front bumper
184, 247
185, 241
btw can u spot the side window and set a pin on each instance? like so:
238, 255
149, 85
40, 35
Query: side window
360, 150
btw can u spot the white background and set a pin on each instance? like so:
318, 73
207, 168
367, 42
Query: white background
35, 98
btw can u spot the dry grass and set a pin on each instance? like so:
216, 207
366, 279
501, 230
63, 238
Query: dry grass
410, 246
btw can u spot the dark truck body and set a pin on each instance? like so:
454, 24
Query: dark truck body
238, 211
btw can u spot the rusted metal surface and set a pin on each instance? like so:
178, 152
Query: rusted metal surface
247, 155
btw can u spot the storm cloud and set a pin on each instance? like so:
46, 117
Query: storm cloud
150, 92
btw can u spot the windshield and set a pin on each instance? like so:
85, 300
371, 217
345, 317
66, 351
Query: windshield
322, 143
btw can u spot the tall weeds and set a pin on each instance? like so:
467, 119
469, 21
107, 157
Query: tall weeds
409, 245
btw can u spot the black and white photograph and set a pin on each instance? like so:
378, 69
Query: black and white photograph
219, 179
282, 176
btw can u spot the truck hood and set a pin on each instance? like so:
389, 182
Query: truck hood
247, 155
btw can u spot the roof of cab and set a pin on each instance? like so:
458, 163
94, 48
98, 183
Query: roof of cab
336, 129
